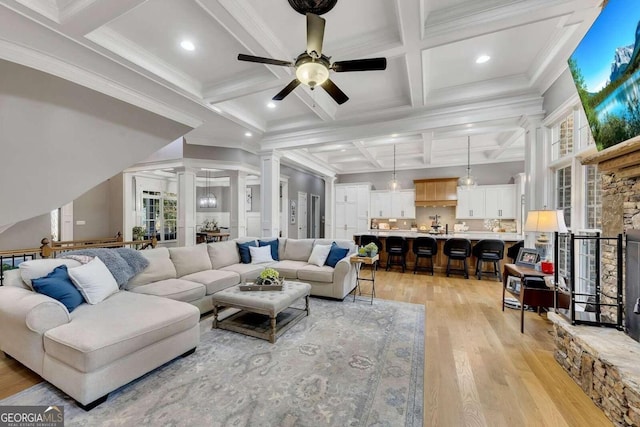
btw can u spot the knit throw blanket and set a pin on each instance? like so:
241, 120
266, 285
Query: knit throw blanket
123, 263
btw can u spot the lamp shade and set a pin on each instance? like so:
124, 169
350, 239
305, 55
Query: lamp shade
545, 221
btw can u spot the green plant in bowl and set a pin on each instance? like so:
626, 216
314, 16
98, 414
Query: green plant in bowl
371, 249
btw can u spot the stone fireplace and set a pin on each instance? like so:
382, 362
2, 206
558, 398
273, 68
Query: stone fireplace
606, 362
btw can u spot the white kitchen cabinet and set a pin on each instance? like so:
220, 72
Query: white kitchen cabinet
500, 201
470, 203
389, 204
352, 210
487, 202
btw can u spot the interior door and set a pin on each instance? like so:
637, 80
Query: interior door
315, 216
302, 215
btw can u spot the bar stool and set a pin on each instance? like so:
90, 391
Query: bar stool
489, 250
425, 247
458, 249
512, 252
397, 248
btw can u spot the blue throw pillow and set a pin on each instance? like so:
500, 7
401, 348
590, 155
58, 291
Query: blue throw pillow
335, 254
245, 254
274, 247
58, 285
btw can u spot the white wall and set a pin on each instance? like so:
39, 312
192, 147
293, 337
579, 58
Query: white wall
60, 139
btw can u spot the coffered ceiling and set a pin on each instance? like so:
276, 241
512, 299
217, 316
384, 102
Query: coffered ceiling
431, 97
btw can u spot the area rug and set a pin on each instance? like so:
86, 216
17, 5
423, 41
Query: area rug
347, 364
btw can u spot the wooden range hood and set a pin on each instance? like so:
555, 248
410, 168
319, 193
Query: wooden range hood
436, 192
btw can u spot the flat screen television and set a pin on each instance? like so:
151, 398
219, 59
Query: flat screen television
606, 70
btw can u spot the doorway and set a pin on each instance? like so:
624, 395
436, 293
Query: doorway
302, 215
315, 216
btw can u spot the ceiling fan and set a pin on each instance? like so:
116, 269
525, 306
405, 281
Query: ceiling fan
312, 67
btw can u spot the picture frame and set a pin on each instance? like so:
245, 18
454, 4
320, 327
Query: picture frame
293, 211
528, 257
249, 197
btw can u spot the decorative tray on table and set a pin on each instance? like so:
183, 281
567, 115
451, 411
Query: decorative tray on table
263, 285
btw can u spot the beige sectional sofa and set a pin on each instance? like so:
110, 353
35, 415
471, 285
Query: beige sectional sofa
97, 348
192, 274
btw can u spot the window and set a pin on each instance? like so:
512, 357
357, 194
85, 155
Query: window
55, 225
563, 197
159, 215
593, 197
563, 138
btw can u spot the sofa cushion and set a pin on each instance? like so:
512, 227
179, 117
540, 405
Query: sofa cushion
274, 244
94, 281
289, 269
177, 289
41, 267
243, 250
247, 272
336, 254
214, 280
260, 255
297, 250
160, 268
190, 259
120, 325
58, 286
319, 255
316, 274
223, 254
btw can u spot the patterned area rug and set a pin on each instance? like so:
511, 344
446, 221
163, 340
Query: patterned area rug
348, 364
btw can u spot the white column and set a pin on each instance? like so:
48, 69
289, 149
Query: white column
270, 194
329, 206
186, 207
536, 176
238, 211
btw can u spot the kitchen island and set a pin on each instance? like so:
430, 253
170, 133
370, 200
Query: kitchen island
440, 260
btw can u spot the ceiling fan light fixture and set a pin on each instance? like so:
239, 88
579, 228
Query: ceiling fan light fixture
312, 73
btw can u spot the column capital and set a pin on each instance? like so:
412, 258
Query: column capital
529, 121
270, 153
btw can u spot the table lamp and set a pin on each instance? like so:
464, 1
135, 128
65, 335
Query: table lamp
542, 222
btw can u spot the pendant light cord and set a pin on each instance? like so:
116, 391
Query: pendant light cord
468, 156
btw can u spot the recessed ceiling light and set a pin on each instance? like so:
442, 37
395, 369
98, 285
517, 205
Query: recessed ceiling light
394, 135
271, 105
248, 134
343, 150
187, 45
482, 59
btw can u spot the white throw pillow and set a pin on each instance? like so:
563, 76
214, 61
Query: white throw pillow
94, 281
37, 268
260, 254
319, 255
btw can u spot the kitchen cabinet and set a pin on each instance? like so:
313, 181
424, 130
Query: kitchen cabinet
352, 210
436, 192
470, 203
487, 202
388, 204
500, 201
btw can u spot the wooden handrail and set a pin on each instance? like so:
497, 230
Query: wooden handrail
117, 238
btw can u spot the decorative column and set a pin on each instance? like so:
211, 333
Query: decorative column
238, 210
270, 194
186, 206
536, 178
329, 206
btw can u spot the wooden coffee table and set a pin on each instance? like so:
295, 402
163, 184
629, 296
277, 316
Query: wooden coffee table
263, 314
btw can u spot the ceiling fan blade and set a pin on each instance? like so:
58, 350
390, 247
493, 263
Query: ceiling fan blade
287, 90
261, 60
334, 91
371, 64
315, 35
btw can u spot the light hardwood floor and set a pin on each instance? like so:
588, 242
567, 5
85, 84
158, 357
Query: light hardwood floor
479, 369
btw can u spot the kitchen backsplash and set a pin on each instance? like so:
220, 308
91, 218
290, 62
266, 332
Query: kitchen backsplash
446, 216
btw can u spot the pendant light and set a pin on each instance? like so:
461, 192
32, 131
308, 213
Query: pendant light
208, 199
394, 185
468, 182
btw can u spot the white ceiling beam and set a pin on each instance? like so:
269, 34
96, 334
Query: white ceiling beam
505, 144
80, 17
410, 26
479, 17
417, 121
307, 161
366, 153
427, 147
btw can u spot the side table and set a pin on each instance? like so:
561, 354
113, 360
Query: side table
358, 261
